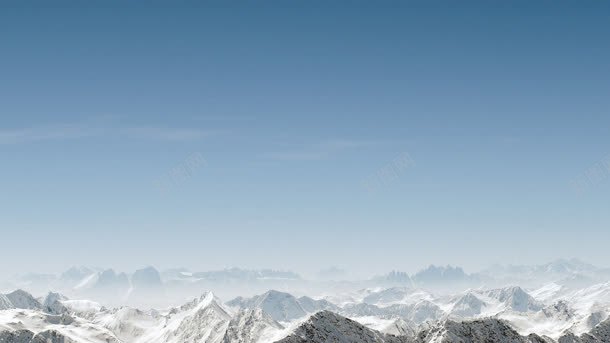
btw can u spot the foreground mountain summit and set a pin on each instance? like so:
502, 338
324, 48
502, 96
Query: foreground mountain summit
326, 326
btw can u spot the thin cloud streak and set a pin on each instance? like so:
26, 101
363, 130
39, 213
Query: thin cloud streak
321, 150
170, 134
70, 132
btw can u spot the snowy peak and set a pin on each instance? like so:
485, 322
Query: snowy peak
207, 323
23, 300
516, 299
202, 301
281, 306
52, 303
201, 320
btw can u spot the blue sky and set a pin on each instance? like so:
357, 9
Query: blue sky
220, 135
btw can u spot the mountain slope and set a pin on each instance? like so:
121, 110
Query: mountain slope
251, 326
5, 303
16, 325
515, 299
282, 307
468, 305
487, 330
326, 326
145, 278
201, 320
599, 334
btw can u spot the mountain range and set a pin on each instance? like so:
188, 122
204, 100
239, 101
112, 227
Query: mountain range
397, 314
437, 304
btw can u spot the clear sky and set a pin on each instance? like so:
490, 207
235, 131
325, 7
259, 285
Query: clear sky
298, 135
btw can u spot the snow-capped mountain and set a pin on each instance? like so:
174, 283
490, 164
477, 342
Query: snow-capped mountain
468, 305
52, 303
201, 320
515, 299
22, 300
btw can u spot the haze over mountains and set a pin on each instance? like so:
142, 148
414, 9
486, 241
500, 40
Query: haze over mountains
173, 286
562, 301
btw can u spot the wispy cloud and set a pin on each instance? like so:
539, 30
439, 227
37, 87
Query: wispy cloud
296, 155
25, 135
70, 132
170, 134
320, 150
